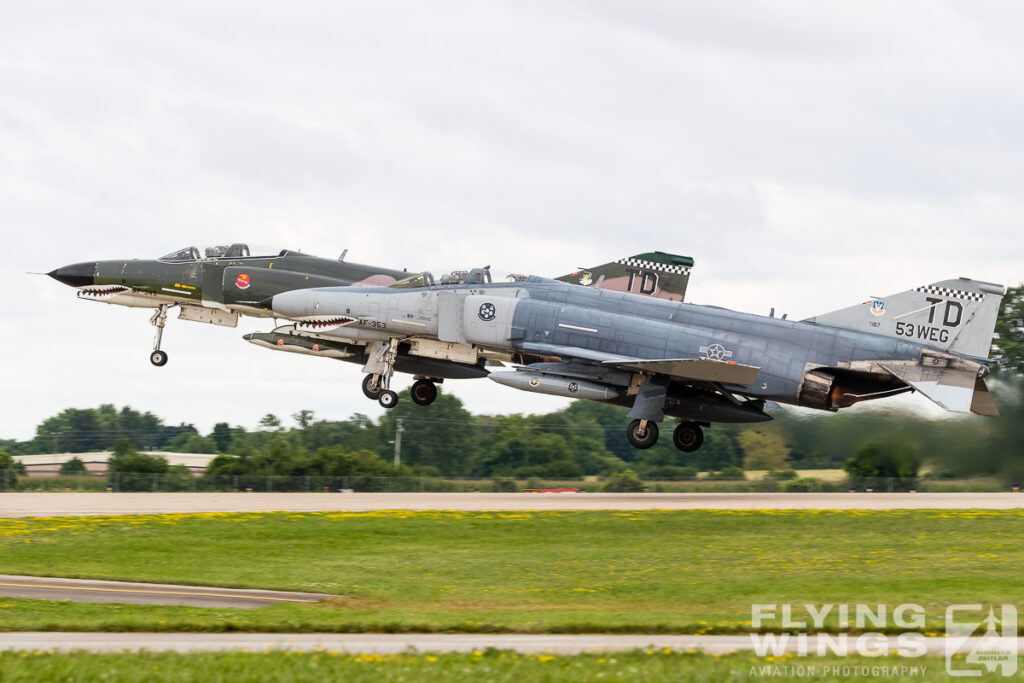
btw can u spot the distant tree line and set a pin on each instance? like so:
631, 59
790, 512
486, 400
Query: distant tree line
586, 438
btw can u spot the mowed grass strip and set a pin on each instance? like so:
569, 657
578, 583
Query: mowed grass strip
491, 665
665, 571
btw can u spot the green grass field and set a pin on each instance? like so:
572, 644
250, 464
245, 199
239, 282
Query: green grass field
494, 666
652, 571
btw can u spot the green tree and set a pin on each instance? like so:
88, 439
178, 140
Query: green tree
221, 436
304, 418
764, 449
884, 459
8, 471
1008, 344
443, 435
73, 466
625, 481
129, 470
193, 443
270, 421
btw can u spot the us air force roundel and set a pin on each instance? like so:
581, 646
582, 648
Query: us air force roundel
486, 312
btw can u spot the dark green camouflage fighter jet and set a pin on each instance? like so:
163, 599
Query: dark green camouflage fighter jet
220, 283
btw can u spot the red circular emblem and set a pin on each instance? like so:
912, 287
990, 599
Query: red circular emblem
316, 347
280, 342
243, 281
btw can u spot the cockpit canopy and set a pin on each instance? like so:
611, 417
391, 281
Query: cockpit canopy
477, 276
236, 250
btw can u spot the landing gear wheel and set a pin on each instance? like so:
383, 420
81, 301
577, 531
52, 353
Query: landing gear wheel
688, 437
371, 387
388, 399
423, 392
158, 358
646, 439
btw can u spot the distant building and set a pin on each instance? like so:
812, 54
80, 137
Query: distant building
48, 464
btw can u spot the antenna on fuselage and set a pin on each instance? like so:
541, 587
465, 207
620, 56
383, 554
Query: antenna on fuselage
343, 254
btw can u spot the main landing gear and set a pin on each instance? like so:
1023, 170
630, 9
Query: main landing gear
423, 391
377, 383
687, 437
159, 319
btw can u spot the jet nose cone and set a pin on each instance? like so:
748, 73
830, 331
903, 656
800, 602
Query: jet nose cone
76, 275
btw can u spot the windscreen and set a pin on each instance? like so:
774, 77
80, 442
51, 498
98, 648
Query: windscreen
182, 255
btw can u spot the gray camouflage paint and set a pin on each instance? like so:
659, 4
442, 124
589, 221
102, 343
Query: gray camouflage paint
541, 318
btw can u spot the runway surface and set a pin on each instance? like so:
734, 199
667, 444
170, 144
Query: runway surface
391, 643
71, 504
82, 590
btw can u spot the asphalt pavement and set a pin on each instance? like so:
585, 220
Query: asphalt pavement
73, 504
87, 590
391, 643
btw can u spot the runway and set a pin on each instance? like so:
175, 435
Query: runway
393, 643
82, 590
74, 504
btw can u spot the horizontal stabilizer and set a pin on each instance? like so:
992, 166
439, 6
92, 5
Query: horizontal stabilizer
951, 383
982, 404
695, 369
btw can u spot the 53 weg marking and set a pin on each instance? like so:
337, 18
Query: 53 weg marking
952, 317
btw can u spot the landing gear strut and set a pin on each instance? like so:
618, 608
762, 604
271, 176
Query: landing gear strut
688, 436
423, 392
159, 319
642, 433
377, 385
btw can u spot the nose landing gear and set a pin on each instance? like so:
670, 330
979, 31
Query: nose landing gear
377, 384
371, 387
642, 433
159, 319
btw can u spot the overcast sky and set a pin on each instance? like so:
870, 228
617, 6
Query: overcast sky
808, 155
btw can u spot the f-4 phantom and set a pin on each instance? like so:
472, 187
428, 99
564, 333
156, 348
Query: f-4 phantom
214, 286
222, 282
700, 364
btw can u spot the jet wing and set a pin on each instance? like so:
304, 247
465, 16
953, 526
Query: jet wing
689, 369
542, 349
694, 369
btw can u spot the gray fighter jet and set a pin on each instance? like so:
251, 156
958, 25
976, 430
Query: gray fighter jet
700, 364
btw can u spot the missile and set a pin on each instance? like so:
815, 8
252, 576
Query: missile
543, 383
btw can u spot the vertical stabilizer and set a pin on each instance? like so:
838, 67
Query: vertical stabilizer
956, 316
656, 274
